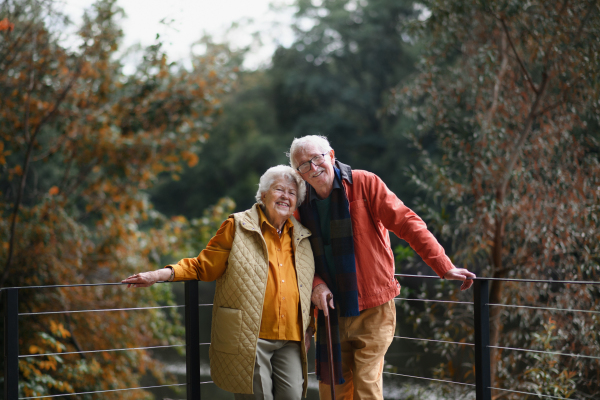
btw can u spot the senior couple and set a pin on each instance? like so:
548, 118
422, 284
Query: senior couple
318, 227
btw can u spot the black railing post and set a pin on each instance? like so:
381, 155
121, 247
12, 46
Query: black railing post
192, 340
482, 340
10, 297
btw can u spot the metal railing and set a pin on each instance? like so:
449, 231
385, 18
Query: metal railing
481, 305
10, 299
481, 314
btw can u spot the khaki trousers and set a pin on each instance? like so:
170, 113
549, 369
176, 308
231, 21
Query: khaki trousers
364, 341
277, 371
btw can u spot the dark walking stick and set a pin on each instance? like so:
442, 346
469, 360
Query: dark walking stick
330, 347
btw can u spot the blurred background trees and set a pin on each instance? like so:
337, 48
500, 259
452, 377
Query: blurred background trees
510, 91
483, 116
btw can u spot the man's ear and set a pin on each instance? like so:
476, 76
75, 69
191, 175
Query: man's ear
332, 155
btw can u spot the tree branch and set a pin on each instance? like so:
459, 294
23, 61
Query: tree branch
525, 132
26, 163
499, 78
523, 69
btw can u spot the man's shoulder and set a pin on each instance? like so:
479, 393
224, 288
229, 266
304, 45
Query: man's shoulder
360, 176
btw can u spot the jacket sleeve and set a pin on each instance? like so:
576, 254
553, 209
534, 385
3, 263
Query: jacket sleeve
388, 209
212, 261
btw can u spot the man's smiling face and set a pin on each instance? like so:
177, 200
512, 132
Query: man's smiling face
319, 177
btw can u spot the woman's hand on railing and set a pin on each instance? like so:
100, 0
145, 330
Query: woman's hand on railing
149, 278
461, 274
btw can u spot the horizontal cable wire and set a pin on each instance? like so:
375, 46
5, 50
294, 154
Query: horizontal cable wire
430, 379
545, 352
102, 391
434, 301
68, 286
533, 394
537, 281
202, 383
503, 279
101, 351
545, 308
433, 340
418, 276
400, 275
101, 310
106, 309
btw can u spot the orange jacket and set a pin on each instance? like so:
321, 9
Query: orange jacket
375, 210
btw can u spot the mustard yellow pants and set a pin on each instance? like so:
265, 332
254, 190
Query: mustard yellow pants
364, 341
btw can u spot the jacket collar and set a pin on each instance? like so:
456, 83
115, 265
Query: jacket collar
345, 170
342, 171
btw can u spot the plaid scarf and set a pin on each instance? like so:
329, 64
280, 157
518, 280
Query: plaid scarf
343, 284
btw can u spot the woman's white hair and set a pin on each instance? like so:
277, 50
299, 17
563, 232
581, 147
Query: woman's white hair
278, 172
320, 142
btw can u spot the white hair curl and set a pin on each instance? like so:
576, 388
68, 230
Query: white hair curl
277, 172
318, 141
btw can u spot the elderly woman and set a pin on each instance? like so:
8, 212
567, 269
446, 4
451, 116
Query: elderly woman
263, 264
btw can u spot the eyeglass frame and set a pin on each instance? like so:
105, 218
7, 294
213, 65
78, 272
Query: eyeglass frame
309, 162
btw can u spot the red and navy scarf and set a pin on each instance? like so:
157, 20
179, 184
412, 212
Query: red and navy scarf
343, 285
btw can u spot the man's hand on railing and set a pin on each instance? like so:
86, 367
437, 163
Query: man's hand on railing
319, 296
461, 274
145, 279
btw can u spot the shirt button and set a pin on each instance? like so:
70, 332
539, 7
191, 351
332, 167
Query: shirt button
281, 265
283, 280
283, 298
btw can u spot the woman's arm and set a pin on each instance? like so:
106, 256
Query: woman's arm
208, 266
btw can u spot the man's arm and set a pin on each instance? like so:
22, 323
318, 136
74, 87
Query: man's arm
407, 225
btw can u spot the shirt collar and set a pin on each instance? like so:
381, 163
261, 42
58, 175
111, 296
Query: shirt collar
262, 219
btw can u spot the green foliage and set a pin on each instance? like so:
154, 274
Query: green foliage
546, 375
334, 81
403, 253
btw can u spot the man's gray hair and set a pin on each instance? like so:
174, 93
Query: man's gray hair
278, 172
320, 142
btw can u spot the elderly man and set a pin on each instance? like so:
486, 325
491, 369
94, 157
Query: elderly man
349, 213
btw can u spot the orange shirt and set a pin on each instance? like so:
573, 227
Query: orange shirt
280, 317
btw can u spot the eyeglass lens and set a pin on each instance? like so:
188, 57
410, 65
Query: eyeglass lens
316, 161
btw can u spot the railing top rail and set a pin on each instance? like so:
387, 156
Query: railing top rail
400, 275
73, 285
481, 278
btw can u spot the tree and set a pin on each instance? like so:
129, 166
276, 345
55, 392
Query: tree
333, 80
80, 144
510, 91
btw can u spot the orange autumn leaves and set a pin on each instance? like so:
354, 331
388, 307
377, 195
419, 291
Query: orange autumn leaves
80, 142
6, 25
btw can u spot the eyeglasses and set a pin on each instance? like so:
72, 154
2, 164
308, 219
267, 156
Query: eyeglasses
316, 161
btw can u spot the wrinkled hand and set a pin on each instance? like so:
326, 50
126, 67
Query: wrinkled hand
461, 274
143, 279
307, 335
319, 296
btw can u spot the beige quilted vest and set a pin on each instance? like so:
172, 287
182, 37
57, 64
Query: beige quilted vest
238, 303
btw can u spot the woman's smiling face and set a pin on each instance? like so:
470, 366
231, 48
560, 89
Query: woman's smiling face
280, 201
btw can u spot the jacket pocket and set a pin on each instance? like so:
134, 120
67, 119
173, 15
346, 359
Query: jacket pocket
227, 330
